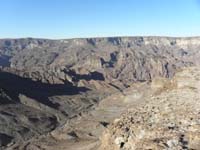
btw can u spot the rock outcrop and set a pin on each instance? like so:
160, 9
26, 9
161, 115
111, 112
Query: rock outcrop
169, 119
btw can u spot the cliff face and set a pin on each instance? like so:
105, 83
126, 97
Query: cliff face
167, 120
124, 60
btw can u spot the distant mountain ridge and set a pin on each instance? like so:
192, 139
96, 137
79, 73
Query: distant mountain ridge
117, 58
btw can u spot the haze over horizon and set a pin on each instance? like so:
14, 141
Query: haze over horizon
62, 19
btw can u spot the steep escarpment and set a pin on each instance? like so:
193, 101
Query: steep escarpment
45, 83
123, 60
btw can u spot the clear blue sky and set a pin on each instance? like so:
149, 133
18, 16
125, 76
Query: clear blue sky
92, 18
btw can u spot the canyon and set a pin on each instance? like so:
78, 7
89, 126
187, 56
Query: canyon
90, 93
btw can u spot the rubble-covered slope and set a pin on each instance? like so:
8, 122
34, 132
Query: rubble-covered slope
169, 119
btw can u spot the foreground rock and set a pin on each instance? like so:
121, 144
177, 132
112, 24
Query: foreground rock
169, 119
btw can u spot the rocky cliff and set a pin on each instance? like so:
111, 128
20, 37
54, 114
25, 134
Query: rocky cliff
121, 59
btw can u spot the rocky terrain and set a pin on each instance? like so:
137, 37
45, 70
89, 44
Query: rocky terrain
168, 119
56, 94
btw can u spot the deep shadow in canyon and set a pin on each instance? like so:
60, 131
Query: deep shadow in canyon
15, 85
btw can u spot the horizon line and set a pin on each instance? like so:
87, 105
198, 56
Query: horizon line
98, 37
